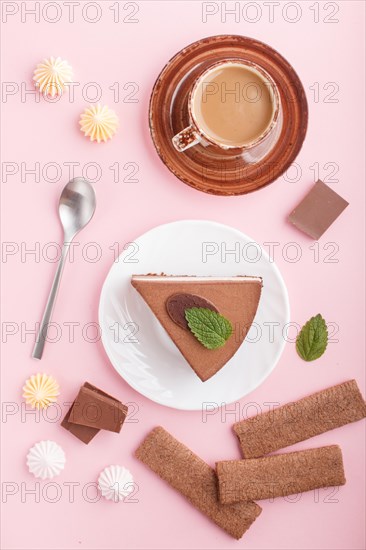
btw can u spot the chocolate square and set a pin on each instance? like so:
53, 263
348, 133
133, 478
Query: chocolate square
84, 433
318, 210
98, 390
97, 409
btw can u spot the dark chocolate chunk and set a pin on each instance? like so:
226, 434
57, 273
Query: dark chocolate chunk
177, 304
92, 410
98, 390
318, 210
84, 433
97, 410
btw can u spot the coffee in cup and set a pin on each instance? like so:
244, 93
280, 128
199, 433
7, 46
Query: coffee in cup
233, 104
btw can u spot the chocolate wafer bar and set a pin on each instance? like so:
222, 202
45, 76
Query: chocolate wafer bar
280, 475
195, 480
300, 420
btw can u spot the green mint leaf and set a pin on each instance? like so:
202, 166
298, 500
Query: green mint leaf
312, 340
210, 328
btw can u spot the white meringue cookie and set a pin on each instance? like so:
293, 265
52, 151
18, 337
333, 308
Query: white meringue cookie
46, 459
115, 483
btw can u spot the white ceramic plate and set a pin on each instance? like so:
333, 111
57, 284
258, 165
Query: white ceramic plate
140, 349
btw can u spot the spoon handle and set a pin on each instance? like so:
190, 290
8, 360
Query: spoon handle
42, 333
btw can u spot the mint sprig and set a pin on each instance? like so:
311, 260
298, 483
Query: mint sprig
312, 340
211, 329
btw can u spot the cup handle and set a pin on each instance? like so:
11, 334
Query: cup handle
186, 139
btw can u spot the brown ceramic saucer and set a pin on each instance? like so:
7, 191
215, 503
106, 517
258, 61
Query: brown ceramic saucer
210, 169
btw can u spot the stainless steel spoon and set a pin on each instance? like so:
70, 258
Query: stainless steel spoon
76, 209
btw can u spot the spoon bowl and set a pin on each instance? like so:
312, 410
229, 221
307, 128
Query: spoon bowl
76, 206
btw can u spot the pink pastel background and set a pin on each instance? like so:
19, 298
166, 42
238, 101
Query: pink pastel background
107, 52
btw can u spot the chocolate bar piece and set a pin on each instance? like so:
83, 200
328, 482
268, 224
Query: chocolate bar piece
318, 210
97, 409
195, 480
294, 422
280, 475
83, 431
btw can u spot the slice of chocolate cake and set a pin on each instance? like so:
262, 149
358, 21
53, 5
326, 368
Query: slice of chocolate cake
215, 302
